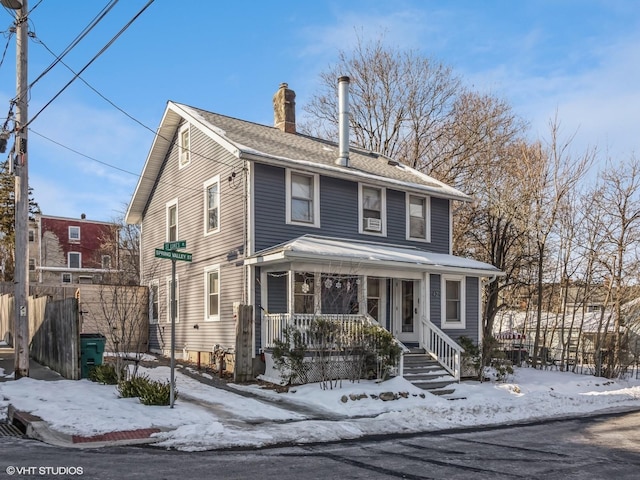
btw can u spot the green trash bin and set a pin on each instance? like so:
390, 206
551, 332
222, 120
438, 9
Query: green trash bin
91, 351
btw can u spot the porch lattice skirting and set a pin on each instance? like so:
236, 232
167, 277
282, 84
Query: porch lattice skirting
331, 368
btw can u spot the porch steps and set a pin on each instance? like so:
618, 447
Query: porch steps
426, 373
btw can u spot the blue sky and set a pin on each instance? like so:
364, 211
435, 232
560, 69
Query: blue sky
577, 58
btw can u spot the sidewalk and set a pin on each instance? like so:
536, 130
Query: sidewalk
34, 427
36, 371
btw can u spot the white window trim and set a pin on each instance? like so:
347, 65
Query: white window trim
32, 235
383, 210
154, 283
207, 270
70, 278
168, 205
206, 185
427, 214
316, 199
169, 300
462, 324
74, 239
79, 259
182, 152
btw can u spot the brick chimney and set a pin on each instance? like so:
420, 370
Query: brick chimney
284, 109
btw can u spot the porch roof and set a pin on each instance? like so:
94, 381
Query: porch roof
312, 248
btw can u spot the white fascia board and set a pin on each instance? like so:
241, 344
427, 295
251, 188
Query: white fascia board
213, 132
152, 165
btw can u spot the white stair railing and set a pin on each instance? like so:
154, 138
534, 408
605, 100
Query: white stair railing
442, 348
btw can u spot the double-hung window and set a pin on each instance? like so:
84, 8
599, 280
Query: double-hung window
172, 221
184, 146
372, 202
418, 218
75, 259
212, 293
154, 302
212, 205
303, 198
176, 302
453, 301
74, 234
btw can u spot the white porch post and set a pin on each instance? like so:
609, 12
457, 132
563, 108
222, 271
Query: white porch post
264, 303
291, 281
362, 295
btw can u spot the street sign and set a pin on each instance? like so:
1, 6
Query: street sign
175, 245
173, 255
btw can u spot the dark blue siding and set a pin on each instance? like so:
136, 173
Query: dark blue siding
471, 308
338, 213
439, 225
277, 288
472, 314
434, 299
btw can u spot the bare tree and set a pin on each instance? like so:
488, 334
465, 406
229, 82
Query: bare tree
552, 171
620, 203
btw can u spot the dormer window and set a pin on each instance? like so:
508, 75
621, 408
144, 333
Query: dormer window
372, 210
74, 234
184, 146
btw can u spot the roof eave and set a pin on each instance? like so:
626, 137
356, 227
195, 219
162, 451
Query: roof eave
283, 256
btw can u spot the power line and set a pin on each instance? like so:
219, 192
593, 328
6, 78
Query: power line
104, 49
124, 112
4, 53
74, 43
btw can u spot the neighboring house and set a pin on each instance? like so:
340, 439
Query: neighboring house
296, 227
71, 250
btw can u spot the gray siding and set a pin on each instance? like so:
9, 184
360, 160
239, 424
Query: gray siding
224, 248
338, 213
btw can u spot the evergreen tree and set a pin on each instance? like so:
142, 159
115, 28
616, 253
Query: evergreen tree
8, 221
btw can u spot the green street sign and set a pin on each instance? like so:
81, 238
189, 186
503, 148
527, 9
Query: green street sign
175, 245
173, 255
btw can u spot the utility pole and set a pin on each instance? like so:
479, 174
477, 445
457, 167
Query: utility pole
21, 171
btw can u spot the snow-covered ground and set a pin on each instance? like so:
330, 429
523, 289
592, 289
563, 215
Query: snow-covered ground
206, 417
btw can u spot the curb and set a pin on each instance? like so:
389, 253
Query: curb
36, 428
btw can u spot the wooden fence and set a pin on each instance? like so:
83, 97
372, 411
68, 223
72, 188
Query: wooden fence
55, 335
59, 314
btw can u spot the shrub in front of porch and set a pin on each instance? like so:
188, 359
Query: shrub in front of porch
328, 351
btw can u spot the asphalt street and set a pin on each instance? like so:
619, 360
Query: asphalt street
602, 447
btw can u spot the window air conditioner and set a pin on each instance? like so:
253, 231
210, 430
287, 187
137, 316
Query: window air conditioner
373, 224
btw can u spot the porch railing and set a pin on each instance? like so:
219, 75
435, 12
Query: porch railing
275, 323
442, 348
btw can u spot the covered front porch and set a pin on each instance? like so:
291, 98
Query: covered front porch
365, 283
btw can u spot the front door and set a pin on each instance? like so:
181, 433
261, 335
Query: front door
406, 310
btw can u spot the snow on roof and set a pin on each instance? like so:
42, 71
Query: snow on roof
310, 247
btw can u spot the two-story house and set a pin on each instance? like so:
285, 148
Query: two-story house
71, 250
297, 227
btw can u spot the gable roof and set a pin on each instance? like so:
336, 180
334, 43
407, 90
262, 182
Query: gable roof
254, 142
